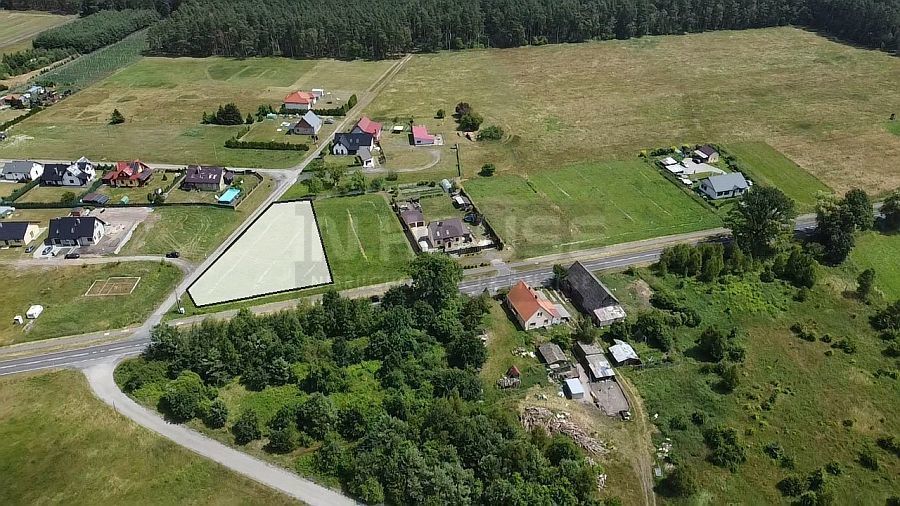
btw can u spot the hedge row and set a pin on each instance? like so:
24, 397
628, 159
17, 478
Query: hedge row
270, 145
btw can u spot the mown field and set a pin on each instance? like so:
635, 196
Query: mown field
821, 103
67, 311
60, 444
17, 28
163, 100
769, 167
818, 404
586, 205
880, 252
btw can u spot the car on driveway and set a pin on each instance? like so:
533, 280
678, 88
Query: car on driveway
72, 256
30, 249
47, 250
173, 254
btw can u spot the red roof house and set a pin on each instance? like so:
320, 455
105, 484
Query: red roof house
530, 308
367, 126
129, 174
421, 137
299, 100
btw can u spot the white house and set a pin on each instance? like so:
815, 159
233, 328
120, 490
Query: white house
299, 101
18, 233
75, 231
22, 170
77, 173
530, 308
724, 186
350, 143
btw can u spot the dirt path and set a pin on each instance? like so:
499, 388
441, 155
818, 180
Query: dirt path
643, 461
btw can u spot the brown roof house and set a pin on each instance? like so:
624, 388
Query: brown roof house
530, 308
448, 235
209, 179
591, 296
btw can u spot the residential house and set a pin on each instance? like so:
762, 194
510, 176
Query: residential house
591, 296
531, 309
447, 235
593, 361
129, 174
623, 353
75, 231
707, 153
17, 101
299, 101
367, 126
203, 178
309, 124
349, 143
724, 186
77, 173
366, 160
421, 137
18, 233
22, 170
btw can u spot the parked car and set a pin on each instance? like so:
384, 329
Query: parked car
30, 249
72, 256
173, 254
47, 250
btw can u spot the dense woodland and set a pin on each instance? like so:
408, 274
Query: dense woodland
95, 31
86, 7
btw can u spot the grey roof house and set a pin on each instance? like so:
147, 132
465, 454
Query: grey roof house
446, 235
204, 178
591, 296
22, 170
18, 233
725, 186
349, 143
309, 124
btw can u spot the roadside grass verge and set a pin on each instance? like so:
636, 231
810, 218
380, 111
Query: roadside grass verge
771, 168
586, 205
67, 311
60, 444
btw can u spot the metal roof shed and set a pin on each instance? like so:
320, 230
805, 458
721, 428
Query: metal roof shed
574, 388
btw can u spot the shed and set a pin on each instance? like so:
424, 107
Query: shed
446, 185
34, 311
551, 354
623, 353
574, 389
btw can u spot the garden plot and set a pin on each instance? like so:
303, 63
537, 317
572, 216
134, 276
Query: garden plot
281, 251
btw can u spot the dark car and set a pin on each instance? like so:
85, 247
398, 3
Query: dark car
72, 256
30, 249
173, 254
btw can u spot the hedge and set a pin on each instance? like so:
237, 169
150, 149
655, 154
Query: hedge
270, 145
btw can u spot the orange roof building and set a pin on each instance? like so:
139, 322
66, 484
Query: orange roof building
531, 309
300, 100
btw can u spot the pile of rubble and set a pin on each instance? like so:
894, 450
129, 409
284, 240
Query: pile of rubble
534, 416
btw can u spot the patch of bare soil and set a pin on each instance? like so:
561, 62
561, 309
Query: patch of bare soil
642, 291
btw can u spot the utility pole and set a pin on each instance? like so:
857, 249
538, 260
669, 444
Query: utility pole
458, 166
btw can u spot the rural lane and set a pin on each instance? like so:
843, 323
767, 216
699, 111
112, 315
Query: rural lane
100, 378
183, 265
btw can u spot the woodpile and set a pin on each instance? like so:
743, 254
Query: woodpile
534, 416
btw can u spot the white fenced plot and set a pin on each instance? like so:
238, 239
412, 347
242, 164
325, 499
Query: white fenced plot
113, 286
280, 252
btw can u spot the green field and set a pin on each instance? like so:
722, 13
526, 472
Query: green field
17, 28
67, 311
364, 241
163, 100
769, 167
193, 231
561, 104
586, 205
880, 252
50, 194
818, 407
60, 445
894, 127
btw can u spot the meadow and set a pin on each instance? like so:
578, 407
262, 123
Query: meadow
818, 404
163, 100
769, 167
18, 28
586, 205
67, 311
60, 444
92, 67
880, 252
821, 103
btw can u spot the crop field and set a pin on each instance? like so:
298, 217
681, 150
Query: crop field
90, 68
880, 252
364, 241
821, 103
813, 403
163, 100
17, 28
769, 167
61, 445
68, 310
586, 205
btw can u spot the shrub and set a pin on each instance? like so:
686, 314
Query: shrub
677, 423
834, 468
888, 443
116, 118
491, 133
725, 448
681, 482
487, 170
847, 345
470, 122
439, 114
698, 418
268, 145
868, 459
246, 428
131, 375
774, 450
216, 414
792, 486
183, 396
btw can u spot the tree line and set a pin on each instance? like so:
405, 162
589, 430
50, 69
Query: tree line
415, 429
88, 7
95, 31
382, 28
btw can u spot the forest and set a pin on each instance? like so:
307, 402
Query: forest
388, 397
95, 31
88, 7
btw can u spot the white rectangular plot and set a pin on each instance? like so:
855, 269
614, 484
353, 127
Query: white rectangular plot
281, 251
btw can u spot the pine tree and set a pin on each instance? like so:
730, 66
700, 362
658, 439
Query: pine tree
116, 118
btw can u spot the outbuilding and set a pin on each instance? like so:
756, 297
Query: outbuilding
34, 311
574, 389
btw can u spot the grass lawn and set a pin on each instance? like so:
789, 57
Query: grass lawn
6, 189
586, 205
10, 114
163, 100
60, 444
17, 28
560, 104
769, 167
894, 127
67, 311
364, 241
192, 231
135, 195
50, 194
818, 408
439, 207
880, 252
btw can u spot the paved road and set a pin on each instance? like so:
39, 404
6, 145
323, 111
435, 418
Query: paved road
100, 378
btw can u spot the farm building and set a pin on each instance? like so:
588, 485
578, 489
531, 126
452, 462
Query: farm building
367, 126
77, 173
707, 153
421, 137
591, 296
623, 353
593, 361
574, 389
128, 174
724, 186
350, 143
203, 178
299, 101
447, 235
72, 231
309, 124
18, 233
531, 309
22, 170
